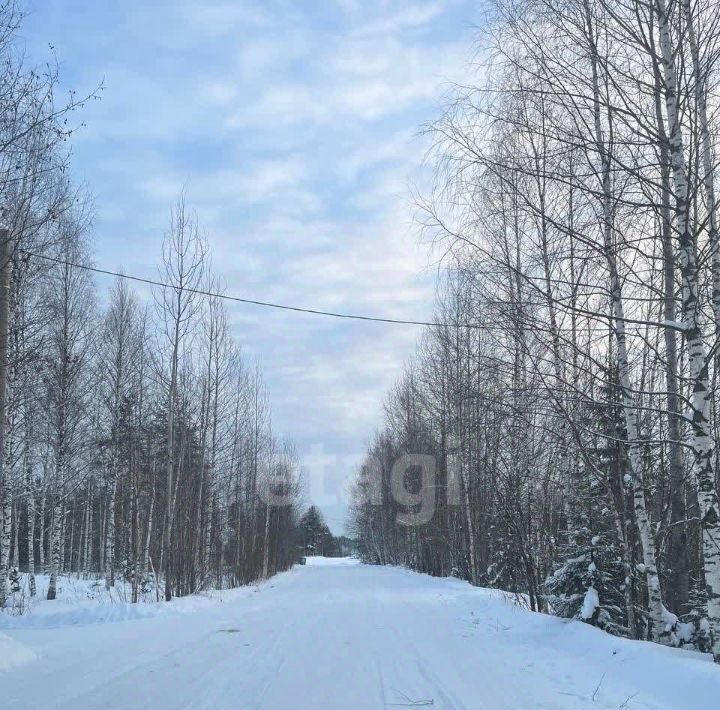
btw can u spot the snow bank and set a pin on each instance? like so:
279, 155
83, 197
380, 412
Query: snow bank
86, 602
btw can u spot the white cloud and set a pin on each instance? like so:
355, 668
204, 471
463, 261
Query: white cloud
213, 19
411, 15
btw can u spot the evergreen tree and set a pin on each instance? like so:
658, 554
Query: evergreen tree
315, 537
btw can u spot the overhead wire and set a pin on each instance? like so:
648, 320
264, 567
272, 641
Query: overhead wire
255, 302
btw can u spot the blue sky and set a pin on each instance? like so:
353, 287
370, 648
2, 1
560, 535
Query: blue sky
294, 127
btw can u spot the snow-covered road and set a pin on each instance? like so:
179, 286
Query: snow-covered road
340, 635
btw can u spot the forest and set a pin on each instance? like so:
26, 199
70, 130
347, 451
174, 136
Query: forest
568, 388
136, 435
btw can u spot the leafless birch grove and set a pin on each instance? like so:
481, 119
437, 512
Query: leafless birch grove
572, 390
136, 436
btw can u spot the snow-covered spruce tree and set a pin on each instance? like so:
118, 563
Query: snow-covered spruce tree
589, 583
314, 536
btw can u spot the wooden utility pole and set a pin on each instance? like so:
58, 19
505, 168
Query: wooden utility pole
5, 509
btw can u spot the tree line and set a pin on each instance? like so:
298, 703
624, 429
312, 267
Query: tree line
569, 393
314, 537
136, 437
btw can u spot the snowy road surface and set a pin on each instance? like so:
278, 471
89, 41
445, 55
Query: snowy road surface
336, 636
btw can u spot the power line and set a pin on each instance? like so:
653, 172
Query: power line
253, 302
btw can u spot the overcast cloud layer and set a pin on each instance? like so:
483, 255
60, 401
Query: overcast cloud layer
294, 128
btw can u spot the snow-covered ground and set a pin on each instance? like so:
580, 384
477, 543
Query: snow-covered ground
341, 635
87, 601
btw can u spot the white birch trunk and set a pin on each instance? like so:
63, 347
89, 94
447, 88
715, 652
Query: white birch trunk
30, 512
266, 551
656, 609
55, 548
706, 154
5, 549
41, 534
110, 533
5, 498
700, 430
